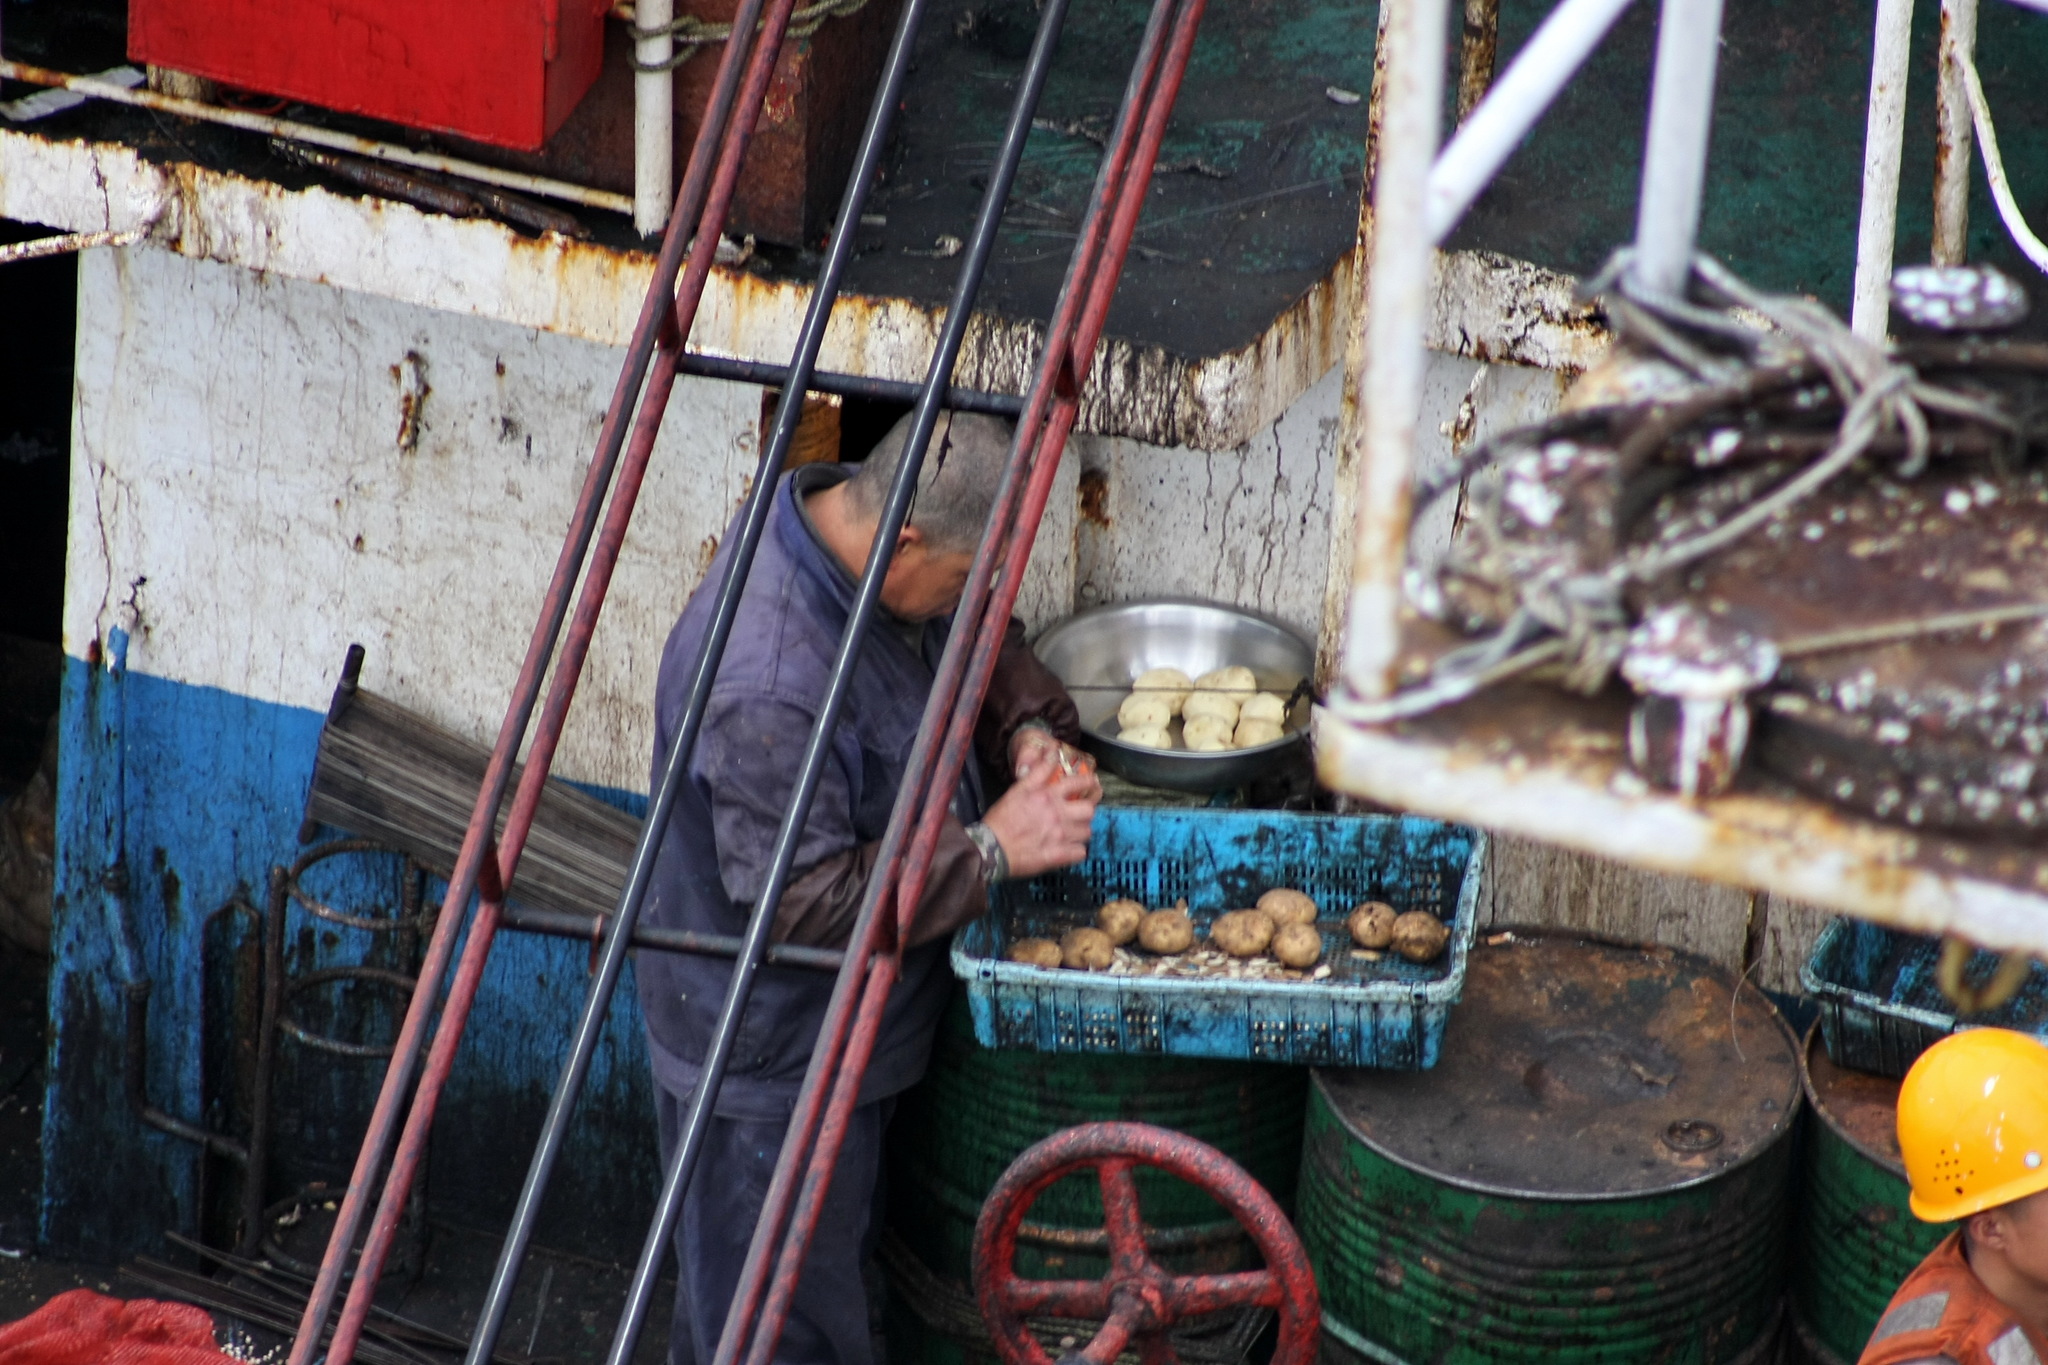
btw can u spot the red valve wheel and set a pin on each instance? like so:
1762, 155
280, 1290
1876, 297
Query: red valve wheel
1138, 1300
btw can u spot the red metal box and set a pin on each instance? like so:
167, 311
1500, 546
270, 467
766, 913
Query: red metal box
505, 73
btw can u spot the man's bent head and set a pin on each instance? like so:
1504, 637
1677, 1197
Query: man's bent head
956, 488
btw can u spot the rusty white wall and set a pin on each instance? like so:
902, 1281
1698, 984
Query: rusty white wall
245, 506
1251, 525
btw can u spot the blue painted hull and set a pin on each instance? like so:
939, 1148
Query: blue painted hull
194, 793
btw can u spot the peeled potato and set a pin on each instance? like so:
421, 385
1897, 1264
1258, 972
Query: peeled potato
1264, 706
1142, 709
1206, 732
1372, 924
1250, 734
1119, 919
1035, 952
1420, 936
1167, 931
1170, 684
1216, 704
1284, 905
1242, 933
1086, 949
1236, 680
1297, 945
1150, 736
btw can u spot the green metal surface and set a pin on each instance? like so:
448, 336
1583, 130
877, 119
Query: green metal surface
1431, 1272
1784, 175
978, 1108
1596, 1172
1857, 1239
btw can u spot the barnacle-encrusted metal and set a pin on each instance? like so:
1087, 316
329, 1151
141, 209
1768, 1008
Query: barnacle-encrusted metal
1796, 547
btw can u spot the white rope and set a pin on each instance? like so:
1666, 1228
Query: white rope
1994, 167
690, 33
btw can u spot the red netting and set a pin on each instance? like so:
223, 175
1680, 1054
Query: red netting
84, 1328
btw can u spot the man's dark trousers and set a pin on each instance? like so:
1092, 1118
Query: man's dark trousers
828, 1318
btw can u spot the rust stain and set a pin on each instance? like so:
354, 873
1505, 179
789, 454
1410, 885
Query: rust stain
1486, 307
1095, 497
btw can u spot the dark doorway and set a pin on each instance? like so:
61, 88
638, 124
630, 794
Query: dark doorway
38, 315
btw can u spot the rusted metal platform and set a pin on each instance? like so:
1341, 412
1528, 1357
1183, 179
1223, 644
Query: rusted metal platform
1531, 760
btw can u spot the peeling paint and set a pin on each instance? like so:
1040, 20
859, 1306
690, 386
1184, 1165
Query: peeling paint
1487, 307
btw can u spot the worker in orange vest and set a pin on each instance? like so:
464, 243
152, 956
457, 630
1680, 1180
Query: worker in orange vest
1973, 1128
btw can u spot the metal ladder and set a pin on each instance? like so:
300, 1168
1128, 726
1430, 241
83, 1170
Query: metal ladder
654, 356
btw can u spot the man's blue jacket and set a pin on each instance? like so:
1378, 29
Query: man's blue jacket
714, 856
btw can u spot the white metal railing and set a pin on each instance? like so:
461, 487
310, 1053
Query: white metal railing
1418, 195
1959, 111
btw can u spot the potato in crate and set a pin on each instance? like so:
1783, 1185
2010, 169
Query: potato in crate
1358, 967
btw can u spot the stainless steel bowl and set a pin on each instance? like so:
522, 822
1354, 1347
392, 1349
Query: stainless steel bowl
1098, 654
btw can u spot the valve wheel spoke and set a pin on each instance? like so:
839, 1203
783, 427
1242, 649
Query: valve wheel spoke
1191, 1295
1121, 1217
1156, 1349
1056, 1298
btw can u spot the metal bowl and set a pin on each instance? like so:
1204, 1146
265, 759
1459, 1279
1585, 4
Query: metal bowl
1098, 654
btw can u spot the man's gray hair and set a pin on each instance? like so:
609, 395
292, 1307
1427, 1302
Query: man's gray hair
963, 467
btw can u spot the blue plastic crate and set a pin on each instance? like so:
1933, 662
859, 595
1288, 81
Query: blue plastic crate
1880, 1006
1388, 1013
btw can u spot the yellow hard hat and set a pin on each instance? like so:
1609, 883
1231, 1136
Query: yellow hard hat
1973, 1123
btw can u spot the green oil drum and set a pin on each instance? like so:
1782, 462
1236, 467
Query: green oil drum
1857, 1239
978, 1108
1596, 1170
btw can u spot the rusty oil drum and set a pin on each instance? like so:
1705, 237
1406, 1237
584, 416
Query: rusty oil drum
979, 1108
1596, 1171
1857, 1239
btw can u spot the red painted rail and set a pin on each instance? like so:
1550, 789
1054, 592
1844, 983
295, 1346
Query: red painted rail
483, 866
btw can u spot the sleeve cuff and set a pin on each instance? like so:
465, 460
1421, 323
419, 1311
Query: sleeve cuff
995, 865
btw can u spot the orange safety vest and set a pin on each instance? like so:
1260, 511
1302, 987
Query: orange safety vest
1943, 1313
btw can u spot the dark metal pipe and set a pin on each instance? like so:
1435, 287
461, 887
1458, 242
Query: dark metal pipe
1082, 308
846, 385
502, 861
655, 319
867, 598
134, 1069
590, 929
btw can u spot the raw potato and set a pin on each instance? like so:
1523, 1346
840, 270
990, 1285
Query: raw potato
1297, 944
1372, 924
1167, 931
1216, 704
1285, 905
1035, 952
1119, 919
1420, 936
1168, 683
1206, 733
1086, 949
1141, 709
1236, 680
1252, 733
1150, 736
1242, 933
1265, 706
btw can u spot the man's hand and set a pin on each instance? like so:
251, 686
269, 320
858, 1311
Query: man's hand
1043, 820
1033, 749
